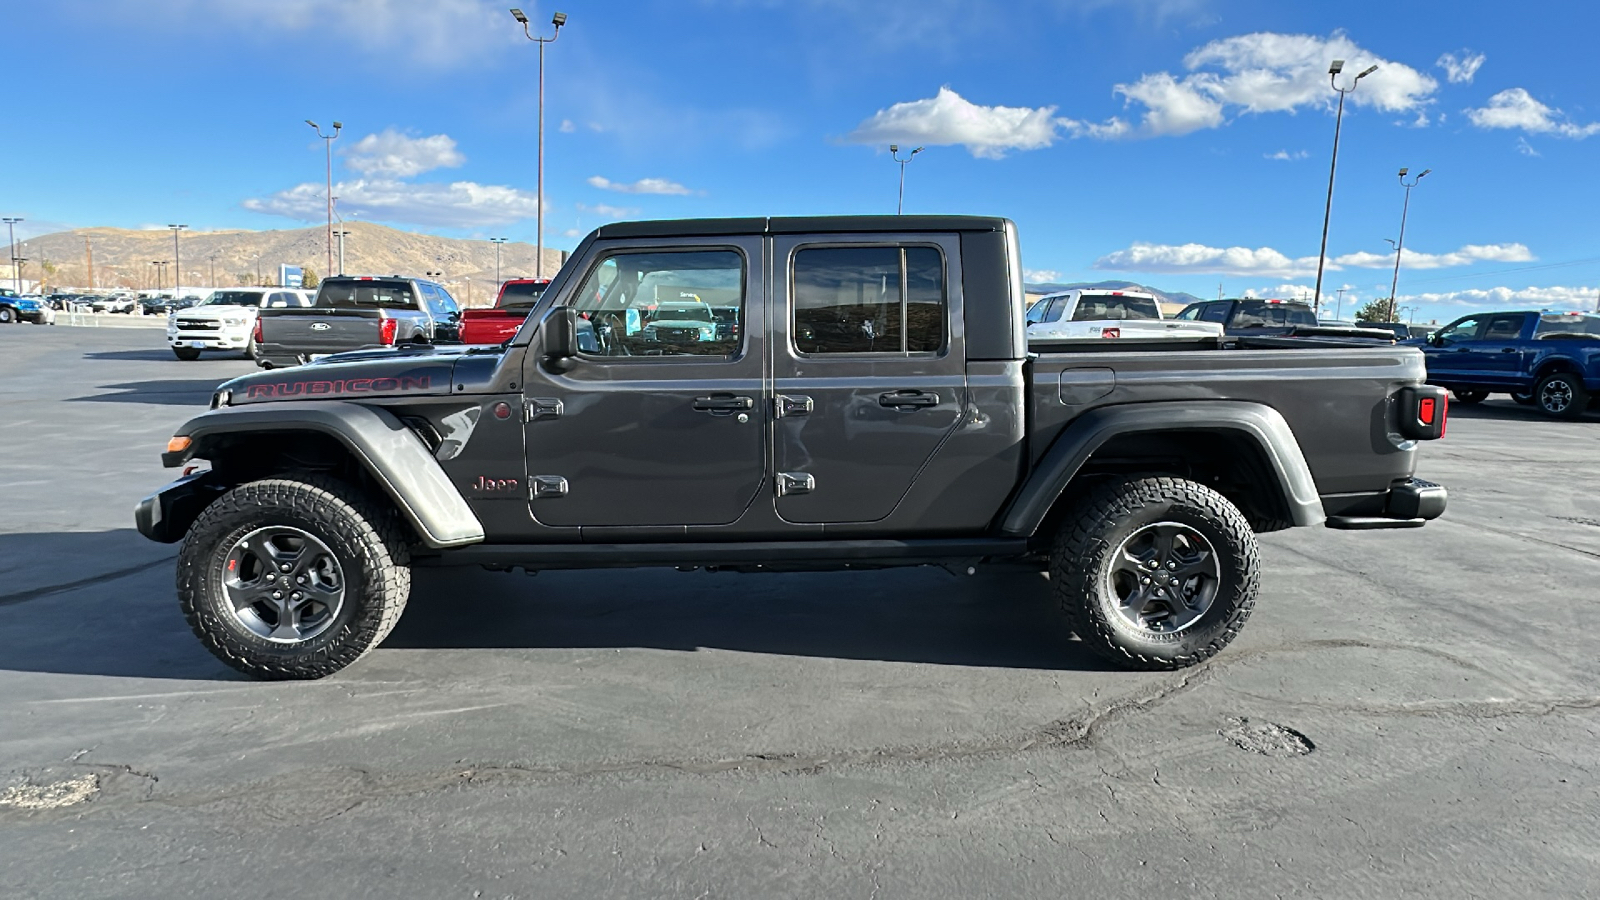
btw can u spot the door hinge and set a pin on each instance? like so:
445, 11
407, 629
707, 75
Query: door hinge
536, 408
790, 405
543, 486
795, 483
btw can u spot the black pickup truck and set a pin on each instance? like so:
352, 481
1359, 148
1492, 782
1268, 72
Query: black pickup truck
877, 404
357, 312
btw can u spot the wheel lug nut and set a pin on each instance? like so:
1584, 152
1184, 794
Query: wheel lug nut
1145, 580
277, 595
284, 567
300, 579
295, 596
1172, 565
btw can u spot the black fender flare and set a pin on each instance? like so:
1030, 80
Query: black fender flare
389, 451
1257, 422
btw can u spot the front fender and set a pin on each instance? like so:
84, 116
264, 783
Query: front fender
1257, 422
389, 451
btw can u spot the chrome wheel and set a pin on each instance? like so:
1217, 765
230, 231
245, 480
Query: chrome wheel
283, 584
1555, 395
1164, 577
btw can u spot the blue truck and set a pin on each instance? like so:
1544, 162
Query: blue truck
1541, 358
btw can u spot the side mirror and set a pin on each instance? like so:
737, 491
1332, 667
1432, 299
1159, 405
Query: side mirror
560, 328
1436, 340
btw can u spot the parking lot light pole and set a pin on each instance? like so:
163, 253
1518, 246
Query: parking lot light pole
327, 140
177, 260
1338, 119
11, 229
558, 20
894, 154
1400, 244
497, 242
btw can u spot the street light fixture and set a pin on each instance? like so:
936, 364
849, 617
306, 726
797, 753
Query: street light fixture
11, 228
1399, 245
177, 264
161, 268
894, 154
558, 20
1333, 81
497, 242
328, 140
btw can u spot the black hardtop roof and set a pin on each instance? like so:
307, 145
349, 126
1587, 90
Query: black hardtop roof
798, 225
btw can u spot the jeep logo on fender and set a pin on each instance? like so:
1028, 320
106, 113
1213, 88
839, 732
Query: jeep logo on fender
283, 389
493, 485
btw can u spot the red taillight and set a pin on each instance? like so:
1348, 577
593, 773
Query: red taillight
1425, 410
386, 331
1444, 414
256, 334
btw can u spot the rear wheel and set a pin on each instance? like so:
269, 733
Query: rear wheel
292, 578
186, 353
1468, 397
1561, 394
1156, 572
7, 315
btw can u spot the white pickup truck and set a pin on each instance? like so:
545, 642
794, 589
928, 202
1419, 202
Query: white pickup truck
227, 321
1099, 314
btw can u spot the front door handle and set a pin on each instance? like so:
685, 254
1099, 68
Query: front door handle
908, 399
1508, 349
723, 403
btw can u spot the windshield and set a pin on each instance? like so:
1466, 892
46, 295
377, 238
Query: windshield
232, 298
521, 294
7, 292
1094, 307
382, 294
1262, 314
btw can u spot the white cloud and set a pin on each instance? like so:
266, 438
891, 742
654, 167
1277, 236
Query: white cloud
1554, 297
460, 204
1285, 155
642, 186
1460, 69
1267, 72
1516, 108
432, 33
1265, 261
610, 212
1466, 256
948, 118
1282, 291
1040, 276
567, 127
392, 154
1525, 148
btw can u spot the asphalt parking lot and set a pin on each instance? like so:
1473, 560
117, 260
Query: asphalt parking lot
1408, 712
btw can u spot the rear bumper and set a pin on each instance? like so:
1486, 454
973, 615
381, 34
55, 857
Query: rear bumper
1411, 503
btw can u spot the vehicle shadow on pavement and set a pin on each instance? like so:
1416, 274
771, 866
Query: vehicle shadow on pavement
162, 355
188, 392
96, 603
998, 618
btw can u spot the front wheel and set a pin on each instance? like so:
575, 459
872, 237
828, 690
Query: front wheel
1561, 394
1156, 572
1468, 398
293, 578
188, 354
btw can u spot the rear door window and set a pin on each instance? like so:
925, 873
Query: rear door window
869, 300
1214, 312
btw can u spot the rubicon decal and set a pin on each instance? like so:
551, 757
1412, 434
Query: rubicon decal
283, 389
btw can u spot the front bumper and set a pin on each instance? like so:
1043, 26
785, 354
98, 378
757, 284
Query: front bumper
1411, 503
165, 516
210, 340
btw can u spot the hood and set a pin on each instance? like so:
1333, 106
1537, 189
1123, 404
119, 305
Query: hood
411, 372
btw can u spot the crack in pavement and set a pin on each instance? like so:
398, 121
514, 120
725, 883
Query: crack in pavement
36, 593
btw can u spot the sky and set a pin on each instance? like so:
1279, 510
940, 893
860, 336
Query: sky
1183, 144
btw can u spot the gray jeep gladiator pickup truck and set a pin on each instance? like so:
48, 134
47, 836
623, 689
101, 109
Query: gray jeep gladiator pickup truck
873, 402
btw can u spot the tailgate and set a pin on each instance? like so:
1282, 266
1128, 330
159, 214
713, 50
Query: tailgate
317, 331
490, 326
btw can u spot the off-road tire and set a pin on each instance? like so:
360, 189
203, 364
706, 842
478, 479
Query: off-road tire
1577, 402
1090, 535
365, 536
187, 354
7, 315
1468, 398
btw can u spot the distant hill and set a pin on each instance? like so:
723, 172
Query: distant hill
1172, 298
122, 257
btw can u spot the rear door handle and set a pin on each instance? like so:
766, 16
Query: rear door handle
908, 399
725, 403
1508, 349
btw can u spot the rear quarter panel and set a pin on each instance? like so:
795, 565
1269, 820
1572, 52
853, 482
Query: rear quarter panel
1337, 401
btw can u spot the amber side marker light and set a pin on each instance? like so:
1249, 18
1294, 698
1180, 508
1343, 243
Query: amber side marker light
179, 444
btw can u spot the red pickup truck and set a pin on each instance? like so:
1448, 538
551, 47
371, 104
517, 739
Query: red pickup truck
496, 324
